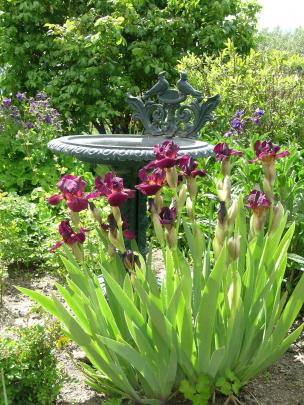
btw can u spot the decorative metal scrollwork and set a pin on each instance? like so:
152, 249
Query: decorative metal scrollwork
170, 116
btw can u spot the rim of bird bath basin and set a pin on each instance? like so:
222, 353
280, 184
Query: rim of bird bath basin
107, 149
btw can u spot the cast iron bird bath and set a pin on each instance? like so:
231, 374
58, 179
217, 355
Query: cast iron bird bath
164, 115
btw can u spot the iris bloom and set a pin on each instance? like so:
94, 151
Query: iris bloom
112, 188
68, 235
257, 201
223, 152
151, 183
189, 167
167, 216
72, 190
267, 152
166, 155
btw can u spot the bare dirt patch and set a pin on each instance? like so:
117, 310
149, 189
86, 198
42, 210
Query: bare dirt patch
282, 384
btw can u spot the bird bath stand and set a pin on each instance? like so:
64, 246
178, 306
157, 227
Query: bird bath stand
164, 114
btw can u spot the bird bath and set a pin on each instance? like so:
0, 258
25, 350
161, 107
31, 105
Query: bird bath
166, 118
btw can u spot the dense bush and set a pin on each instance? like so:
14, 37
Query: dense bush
292, 42
89, 54
25, 229
29, 366
27, 124
271, 81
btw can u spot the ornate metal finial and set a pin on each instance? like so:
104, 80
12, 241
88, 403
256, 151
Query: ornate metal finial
169, 116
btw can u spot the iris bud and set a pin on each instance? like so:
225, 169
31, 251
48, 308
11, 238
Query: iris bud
189, 208
182, 197
234, 247
130, 259
172, 177
278, 213
192, 187
96, 212
117, 216
158, 199
232, 211
158, 229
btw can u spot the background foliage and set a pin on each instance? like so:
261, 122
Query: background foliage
87, 55
26, 230
271, 80
292, 42
27, 124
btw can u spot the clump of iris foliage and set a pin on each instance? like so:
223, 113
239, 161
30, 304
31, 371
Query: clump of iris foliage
216, 319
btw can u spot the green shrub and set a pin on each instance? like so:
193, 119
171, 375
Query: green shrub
271, 81
29, 365
25, 230
27, 124
87, 55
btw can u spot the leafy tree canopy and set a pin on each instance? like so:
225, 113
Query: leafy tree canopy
88, 54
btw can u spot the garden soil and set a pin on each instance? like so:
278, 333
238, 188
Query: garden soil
282, 384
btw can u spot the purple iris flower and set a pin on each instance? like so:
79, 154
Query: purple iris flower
258, 202
167, 216
72, 190
166, 155
151, 183
223, 152
68, 235
189, 167
112, 187
267, 152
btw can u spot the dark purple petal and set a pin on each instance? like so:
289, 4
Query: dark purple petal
77, 204
201, 173
54, 199
117, 198
223, 152
71, 184
148, 189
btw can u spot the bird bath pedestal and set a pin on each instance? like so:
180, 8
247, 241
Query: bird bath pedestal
167, 117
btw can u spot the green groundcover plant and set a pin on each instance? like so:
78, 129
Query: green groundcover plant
215, 320
29, 370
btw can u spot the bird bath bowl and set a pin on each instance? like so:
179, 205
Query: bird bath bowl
116, 149
167, 118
